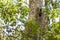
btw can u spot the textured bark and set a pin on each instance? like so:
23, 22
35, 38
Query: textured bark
37, 13
33, 12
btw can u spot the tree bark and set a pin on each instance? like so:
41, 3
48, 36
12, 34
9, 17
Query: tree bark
36, 12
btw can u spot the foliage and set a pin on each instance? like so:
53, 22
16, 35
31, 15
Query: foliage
13, 14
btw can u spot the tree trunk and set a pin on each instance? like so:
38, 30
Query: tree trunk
36, 12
